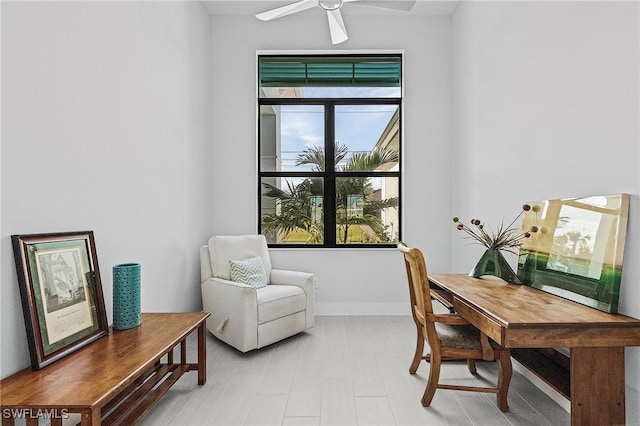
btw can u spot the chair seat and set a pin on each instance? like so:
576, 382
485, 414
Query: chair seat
459, 336
462, 337
277, 301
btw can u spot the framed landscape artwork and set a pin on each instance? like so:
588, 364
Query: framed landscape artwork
576, 249
61, 293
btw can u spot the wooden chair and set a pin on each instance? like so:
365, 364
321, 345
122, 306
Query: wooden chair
449, 337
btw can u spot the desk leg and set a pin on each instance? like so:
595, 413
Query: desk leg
202, 355
597, 386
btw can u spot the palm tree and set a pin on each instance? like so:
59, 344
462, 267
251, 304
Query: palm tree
295, 210
295, 204
579, 243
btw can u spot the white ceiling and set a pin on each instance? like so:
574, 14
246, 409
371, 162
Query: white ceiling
251, 7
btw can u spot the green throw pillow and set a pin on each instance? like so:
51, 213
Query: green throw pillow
250, 271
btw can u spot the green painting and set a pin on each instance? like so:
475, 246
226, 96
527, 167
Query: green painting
577, 249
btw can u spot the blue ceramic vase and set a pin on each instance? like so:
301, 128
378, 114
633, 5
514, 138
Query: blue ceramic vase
126, 296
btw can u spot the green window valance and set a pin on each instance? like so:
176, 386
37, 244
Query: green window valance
296, 71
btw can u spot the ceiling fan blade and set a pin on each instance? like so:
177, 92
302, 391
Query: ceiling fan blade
405, 5
336, 26
279, 12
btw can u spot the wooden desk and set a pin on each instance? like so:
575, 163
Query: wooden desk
114, 380
519, 316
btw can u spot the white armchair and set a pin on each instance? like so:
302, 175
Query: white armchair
246, 317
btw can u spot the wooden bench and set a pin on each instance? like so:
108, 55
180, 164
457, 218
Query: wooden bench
114, 380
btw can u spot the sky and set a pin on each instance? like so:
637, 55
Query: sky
359, 127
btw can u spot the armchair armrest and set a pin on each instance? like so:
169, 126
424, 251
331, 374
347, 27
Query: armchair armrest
205, 264
222, 281
283, 277
234, 311
301, 279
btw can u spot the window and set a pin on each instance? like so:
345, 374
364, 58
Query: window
329, 150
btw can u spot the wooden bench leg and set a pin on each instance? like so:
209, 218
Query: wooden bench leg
90, 417
202, 355
8, 421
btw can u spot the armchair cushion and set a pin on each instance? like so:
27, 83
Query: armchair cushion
276, 301
224, 248
250, 271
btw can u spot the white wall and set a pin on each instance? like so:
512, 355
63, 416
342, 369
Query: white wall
546, 101
105, 127
349, 281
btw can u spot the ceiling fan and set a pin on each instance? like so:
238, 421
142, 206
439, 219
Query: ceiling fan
332, 7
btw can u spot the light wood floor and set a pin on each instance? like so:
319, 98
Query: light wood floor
347, 370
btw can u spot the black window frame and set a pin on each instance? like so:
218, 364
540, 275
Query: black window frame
330, 174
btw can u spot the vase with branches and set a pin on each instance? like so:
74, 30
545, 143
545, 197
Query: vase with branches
504, 238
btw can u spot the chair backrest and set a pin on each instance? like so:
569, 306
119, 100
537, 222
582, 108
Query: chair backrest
419, 291
205, 264
224, 248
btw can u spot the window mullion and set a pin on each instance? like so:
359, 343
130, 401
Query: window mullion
329, 181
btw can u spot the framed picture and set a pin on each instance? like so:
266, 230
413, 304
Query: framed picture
61, 293
578, 253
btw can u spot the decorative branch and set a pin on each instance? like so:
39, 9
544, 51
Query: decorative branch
505, 238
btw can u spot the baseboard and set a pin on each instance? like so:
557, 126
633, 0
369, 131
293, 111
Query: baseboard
335, 309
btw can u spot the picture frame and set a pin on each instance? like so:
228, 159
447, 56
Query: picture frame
578, 252
61, 293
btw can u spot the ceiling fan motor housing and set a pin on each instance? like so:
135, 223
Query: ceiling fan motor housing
330, 4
